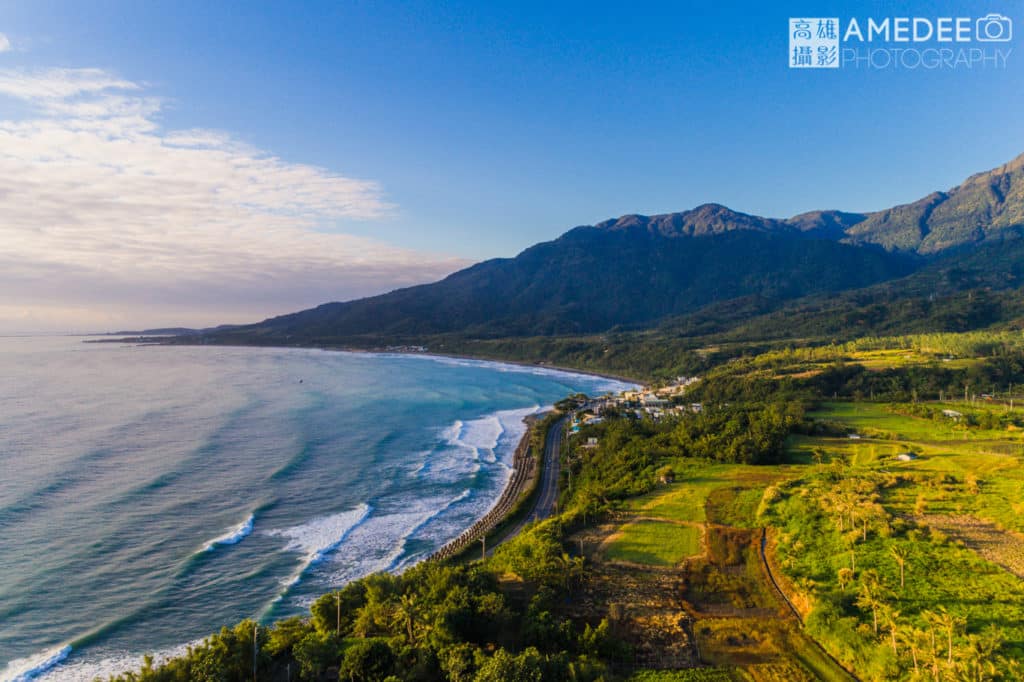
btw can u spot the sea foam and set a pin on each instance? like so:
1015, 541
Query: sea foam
234, 536
103, 668
315, 539
33, 667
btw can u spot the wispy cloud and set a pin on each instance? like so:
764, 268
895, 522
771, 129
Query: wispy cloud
5, 44
105, 211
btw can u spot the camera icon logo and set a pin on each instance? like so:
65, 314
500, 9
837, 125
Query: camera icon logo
994, 28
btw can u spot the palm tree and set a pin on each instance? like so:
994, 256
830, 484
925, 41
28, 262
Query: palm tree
845, 577
872, 594
891, 619
900, 555
934, 624
571, 569
977, 659
872, 580
866, 601
970, 663
1012, 667
950, 624
912, 640
407, 614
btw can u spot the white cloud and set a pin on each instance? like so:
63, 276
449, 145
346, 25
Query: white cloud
106, 213
5, 44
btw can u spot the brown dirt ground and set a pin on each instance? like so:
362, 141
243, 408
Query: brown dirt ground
998, 546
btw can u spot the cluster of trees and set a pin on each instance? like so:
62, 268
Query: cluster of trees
738, 434
434, 622
766, 378
833, 330
970, 419
882, 310
633, 455
469, 623
965, 345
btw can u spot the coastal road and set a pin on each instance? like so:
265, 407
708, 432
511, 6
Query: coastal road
547, 496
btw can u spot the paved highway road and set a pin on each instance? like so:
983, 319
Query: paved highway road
547, 496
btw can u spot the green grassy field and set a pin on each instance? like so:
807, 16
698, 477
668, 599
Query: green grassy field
655, 543
948, 456
759, 643
729, 493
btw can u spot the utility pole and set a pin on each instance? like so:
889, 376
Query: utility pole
255, 649
483, 548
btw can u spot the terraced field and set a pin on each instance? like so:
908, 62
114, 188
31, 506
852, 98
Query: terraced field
681, 572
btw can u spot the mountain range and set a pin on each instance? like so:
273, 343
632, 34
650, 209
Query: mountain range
639, 271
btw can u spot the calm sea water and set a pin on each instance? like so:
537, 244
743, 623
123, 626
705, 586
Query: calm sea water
149, 495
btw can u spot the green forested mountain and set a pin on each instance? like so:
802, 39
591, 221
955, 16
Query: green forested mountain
592, 279
986, 206
708, 269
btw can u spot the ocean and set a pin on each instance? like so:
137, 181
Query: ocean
151, 494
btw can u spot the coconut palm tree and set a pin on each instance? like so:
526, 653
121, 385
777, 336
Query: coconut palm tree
845, 577
571, 569
913, 641
900, 555
407, 614
890, 618
949, 624
868, 601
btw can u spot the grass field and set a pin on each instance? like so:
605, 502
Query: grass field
718, 493
949, 458
961, 472
744, 631
655, 543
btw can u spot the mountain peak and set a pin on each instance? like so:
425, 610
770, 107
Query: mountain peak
702, 220
637, 270
985, 206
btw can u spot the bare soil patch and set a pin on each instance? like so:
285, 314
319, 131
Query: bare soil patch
1001, 547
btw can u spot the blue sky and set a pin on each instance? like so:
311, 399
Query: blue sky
480, 129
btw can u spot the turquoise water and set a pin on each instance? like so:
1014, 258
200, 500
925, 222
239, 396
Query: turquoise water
150, 495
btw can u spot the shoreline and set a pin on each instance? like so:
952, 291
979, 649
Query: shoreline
180, 341
523, 469
526, 363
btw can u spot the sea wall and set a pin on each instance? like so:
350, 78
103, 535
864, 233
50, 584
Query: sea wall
523, 468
